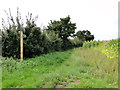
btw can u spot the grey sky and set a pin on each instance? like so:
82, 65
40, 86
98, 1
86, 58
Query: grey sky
98, 16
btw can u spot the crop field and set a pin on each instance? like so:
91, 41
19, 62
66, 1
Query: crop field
95, 65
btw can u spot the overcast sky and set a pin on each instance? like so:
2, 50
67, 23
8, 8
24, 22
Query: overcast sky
100, 17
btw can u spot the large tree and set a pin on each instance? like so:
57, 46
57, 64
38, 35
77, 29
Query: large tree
64, 28
84, 35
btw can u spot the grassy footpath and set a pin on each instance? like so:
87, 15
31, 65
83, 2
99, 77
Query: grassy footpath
80, 67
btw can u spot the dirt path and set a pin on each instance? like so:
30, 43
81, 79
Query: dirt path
77, 81
74, 82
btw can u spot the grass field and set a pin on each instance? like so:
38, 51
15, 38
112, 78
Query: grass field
76, 68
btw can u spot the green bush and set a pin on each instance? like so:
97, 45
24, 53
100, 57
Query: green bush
35, 42
8, 63
11, 42
76, 42
54, 42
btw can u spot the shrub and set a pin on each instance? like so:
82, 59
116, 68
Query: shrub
76, 42
8, 63
54, 42
35, 42
11, 42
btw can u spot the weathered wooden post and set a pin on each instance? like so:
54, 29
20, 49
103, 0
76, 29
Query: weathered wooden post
21, 46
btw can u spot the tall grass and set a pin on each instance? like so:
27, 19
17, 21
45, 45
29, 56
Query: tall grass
97, 65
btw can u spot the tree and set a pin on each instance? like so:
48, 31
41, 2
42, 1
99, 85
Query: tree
54, 42
64, 28
80, 35
10, 35
33, 39
84, 35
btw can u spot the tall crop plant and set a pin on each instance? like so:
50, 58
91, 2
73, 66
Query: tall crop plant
89, 44
110, 48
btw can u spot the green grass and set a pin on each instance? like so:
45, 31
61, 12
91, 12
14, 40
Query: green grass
0, 78
62, 69
17, 74
99, 72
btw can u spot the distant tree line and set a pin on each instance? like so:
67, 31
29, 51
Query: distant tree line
37, 41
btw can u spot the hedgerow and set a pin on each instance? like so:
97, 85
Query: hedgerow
37, 41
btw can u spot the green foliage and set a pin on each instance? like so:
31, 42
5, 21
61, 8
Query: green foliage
110, 48
54, 41
84, 35
35, 40
89, 44
11, 37
76, 42
64, 28
8, 64
32, 38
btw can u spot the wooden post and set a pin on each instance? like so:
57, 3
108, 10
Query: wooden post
21, 46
